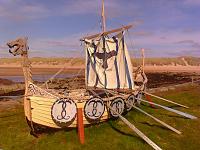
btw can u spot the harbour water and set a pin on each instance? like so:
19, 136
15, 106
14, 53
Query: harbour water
39, 78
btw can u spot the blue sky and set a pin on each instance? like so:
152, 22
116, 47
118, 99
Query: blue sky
165, 28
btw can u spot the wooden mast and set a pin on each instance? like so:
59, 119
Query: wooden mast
103, 22
103, 19
143, 59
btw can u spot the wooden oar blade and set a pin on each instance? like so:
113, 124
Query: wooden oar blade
164, 99
170, 109
137, 131
159, 121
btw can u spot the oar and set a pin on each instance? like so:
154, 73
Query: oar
166, 100
161, 122
138, 132
170, 109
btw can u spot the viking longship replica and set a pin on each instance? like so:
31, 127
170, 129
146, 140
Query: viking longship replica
112, 87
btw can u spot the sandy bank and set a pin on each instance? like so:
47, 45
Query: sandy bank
13, 70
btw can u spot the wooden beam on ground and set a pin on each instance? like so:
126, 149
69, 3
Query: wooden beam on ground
138, 132
159, 121
166, 100
170, 109
107, 32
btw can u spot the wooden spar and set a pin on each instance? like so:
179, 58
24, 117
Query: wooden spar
107, 32
130, 125
143, 57
170, 109
138, 132
103, 17
166, 100
159, 121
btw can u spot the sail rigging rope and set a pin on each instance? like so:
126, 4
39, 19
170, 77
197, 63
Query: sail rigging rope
80, 54
60, 70
131, 42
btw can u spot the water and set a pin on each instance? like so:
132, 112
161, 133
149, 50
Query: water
39, 78
11, 97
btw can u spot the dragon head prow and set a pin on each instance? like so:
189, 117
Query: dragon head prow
18, 46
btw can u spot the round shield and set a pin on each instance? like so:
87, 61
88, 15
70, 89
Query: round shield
138, 97
63, 111
130, 102
94, 108
118, 106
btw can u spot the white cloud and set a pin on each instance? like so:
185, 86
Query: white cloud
163, 42
192, 2
19, 10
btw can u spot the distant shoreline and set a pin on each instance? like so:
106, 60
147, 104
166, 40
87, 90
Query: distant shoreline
16, 70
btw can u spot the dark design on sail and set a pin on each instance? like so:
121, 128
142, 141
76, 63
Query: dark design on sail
105, 56
107, 59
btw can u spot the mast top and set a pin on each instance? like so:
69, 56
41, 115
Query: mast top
107, 32
103, 19
104, 32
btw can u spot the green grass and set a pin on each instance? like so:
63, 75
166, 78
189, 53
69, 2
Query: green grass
14, 132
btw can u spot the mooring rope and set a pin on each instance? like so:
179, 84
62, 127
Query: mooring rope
60, 70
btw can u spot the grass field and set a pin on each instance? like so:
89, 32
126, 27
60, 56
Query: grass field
14, 132
194, 61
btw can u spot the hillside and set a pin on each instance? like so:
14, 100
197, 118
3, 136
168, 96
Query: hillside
193, 61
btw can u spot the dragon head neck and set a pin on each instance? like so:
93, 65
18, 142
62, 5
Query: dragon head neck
18, 46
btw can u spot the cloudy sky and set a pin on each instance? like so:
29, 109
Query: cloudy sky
165, 28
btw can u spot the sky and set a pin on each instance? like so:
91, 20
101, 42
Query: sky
164, 28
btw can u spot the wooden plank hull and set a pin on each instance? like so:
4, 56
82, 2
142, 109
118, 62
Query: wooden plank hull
57, 110
41, 113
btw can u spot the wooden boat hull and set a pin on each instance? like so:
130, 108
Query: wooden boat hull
41, 113
39, 108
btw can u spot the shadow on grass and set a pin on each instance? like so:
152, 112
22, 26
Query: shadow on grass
172, 116
155, 125
9, 115
122, 132
181, 117
37, 130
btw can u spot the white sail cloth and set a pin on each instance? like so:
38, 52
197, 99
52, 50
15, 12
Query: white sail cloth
108, 64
